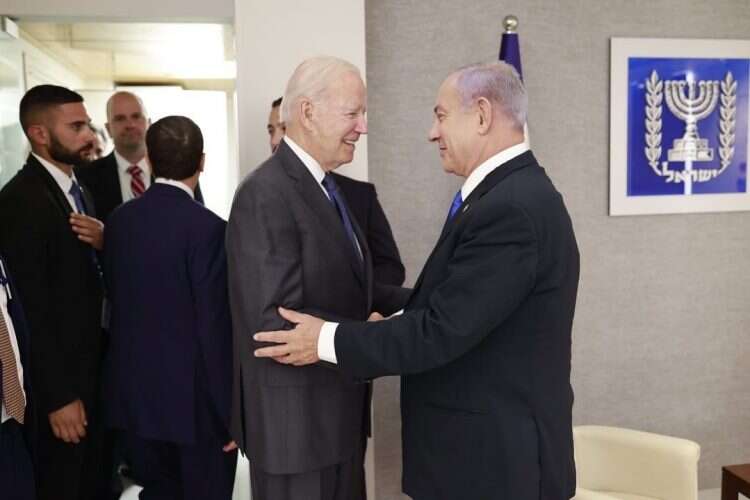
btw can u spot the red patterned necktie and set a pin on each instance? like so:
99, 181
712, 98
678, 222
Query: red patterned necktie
13, 398
136, 180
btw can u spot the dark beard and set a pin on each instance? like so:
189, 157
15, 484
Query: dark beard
61, 154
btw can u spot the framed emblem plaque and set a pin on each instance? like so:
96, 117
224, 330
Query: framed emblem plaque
679, 135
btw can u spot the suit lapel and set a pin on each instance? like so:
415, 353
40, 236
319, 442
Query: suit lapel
322, 208
53, 189
493, 179
111, 181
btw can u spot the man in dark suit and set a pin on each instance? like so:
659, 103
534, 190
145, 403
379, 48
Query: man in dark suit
50, 243
362, 200
125, 173
168, 367
484, 344
292, 241
16, 472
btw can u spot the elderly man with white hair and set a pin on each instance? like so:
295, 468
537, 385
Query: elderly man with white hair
484, 343
292, 242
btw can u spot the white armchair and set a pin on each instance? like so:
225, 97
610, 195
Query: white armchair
623, 464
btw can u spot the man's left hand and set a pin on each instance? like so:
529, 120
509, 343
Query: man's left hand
297, 347
88, 230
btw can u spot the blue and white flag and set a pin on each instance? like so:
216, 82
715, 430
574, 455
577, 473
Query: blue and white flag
510, 52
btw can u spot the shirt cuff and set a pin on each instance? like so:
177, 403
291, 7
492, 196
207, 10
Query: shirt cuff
326, 345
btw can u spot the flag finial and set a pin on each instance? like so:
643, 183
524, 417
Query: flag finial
510, 23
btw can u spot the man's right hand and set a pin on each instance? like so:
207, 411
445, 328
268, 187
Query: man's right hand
69, 422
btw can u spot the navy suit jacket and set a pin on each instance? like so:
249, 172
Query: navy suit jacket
103, 181
484, 347
168, 369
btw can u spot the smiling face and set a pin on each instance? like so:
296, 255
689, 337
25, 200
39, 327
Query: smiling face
337, 121
454, 130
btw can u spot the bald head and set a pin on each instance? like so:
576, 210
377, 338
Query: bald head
127, 122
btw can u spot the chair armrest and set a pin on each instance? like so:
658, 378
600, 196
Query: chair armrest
635, 462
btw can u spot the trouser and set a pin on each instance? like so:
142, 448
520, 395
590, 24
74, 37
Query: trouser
342, 481
16, 473
171, 471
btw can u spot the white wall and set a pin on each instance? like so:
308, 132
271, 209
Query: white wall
132, 10
272, 38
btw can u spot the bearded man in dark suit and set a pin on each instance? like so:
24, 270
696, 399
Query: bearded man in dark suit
50, 238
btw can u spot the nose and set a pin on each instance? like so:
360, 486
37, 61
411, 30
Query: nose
361, 127
433, 135
90, 135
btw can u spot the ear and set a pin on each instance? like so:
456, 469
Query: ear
306, 110
38, 134
109, 132
484, 111
203, 163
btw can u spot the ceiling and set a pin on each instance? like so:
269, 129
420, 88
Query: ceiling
141, 52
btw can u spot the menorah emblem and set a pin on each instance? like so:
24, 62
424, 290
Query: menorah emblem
697, 103
690, 109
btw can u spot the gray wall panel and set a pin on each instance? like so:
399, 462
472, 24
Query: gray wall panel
661, 325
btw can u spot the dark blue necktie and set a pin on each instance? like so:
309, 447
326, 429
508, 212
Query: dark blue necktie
457, 200
77, 194
335, 198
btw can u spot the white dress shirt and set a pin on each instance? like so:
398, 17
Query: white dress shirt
309, 162
318, 174
13, 342
326, 343
122, 171
177, 184
62, 180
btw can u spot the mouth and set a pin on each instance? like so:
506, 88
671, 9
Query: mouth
351, 142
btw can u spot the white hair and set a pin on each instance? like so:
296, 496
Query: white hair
499, 83
311, 80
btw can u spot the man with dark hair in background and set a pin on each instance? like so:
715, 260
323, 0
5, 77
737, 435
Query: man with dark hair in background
125, 173
363, 202
49, 237
168, 369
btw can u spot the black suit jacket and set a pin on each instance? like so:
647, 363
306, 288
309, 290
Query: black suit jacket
365, 207
485, 347
168, 369
103, 181
59, 286
286, 246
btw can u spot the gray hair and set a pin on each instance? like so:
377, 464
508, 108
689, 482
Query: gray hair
499, 83
311, 80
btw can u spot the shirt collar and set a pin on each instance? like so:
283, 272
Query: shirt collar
123, 164
61, 178
493, 162
177, 184
311, 163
